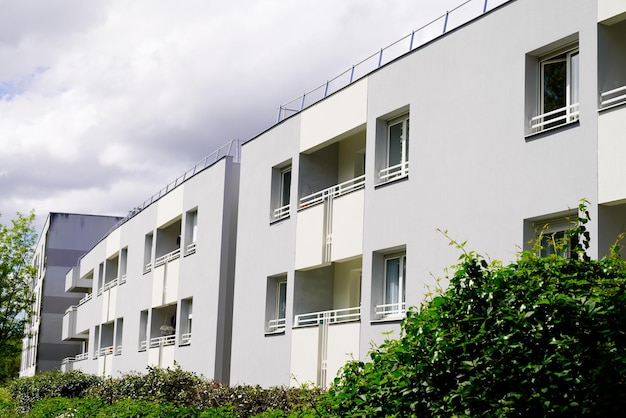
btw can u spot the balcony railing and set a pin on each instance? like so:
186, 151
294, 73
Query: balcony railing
118, 350
461, 14
122, 279
68, 360
391, 309
143, 345
333, 192
613, 97
276, 325
110, 284
394, 172
148, 268
81, 356
162, 341
191, 249
105, 351
85, 299
335, 316
185, 339
167, 258
282, 212
554, 118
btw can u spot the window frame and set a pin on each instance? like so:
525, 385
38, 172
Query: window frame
548, 230
281, 192
400, 310
545, 120
275, 302
399, 170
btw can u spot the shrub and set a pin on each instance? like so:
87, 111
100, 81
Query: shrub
28, 390
539, 337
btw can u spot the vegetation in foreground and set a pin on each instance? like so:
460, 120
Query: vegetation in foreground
539, 337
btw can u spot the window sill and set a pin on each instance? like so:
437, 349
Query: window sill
273, 333
275, 221
389, 319
392, 181
568, 125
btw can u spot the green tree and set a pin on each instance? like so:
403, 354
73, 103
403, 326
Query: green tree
539, 337
17, 242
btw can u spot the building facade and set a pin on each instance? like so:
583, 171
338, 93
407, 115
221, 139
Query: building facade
333, 227
64, 238
158, 288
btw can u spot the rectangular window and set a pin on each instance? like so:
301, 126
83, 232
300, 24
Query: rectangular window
397, 150
147, 252
552, 237
395, 287
191, 231
123, 264
558, 94
143, 330
281, 192
186, 314
276, 304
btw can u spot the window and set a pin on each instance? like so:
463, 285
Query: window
392, 157
191, 231
276, 304
395, 287
147, 252
123, 264
558, 95
552, 238
281, 192
186, 314
143, 330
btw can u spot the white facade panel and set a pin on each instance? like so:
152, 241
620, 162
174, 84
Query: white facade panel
310, 237
611, 151
304, 356
343, 345
334, 116
347, 225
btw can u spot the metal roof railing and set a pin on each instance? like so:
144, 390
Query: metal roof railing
452, 19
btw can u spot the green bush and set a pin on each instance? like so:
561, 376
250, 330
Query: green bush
540, 337
28, 390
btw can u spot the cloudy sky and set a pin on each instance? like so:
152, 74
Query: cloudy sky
103, 102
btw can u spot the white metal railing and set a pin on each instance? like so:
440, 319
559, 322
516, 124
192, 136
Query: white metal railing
105, 351
67, 360
391, 309
81, 356
276, 325
122, 279
143, 345
333, 191
282, 212
162, 341
148, 268
558, 117
454, 18
611, 97
185, 338
99, 291
328, 317
85, 299
110, 284
191, 248
231, 148
167, 258
394, 172
118, 350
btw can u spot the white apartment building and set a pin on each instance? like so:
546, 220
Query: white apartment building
65, 237
158, 287
489, 131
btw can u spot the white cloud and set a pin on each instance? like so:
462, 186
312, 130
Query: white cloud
103, 102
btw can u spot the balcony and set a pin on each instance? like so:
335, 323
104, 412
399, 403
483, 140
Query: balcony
162, 341
69, 324
167, 258
335, 316
81, 356
74, 283
612, 98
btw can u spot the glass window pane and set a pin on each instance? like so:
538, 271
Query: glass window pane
395, 144
574, 77
282, 300
392, 280
554, 85
285, 188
